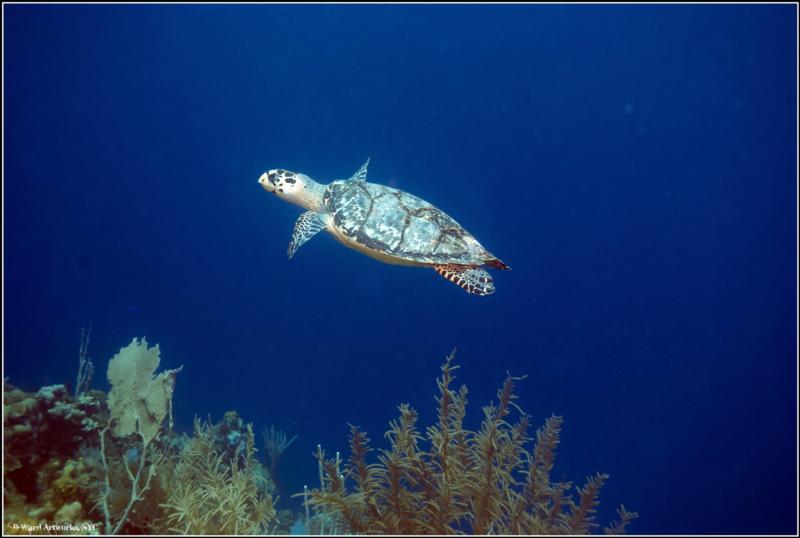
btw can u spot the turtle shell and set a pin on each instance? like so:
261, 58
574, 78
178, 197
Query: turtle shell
400, 225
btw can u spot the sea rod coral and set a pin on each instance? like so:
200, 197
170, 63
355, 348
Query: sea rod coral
483, 482
212, 492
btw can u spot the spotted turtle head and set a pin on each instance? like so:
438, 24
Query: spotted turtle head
293, 187
283, 183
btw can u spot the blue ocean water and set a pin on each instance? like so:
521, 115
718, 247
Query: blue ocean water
635, 165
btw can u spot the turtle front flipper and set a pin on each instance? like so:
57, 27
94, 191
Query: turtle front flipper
307, 226
471, 278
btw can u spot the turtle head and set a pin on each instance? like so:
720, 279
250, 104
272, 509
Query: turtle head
295, 188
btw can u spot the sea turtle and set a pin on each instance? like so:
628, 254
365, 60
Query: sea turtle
386, 224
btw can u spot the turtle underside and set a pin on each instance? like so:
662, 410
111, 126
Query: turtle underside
400, 225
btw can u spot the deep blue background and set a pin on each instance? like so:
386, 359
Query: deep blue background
635, 165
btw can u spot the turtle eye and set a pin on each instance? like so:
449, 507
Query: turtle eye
271, 177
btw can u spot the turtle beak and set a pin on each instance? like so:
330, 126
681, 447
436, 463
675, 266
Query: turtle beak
266, 181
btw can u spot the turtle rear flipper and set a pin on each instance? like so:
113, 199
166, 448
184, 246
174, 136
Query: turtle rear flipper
471, 278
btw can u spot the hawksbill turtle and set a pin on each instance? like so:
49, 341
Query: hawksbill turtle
386, 224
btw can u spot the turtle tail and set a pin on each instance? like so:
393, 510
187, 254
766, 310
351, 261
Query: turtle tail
496, 263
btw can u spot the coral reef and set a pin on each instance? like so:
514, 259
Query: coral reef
45, 481
484, 482
208, 483
83, 462
92, 464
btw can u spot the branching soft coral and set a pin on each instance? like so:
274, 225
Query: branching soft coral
210, 493
484, 482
